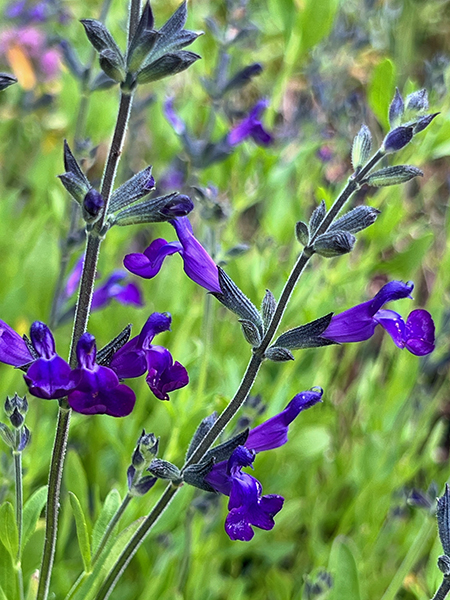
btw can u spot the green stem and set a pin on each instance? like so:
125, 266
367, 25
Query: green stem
80, 324
111, 526
19, 509
54, 492
80, 126
443, 590
243, 390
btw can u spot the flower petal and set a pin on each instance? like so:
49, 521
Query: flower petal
419, 332
50, 378
148, 265
198, 265
13, 349
164, 376
394, 290
394, 324
273, 432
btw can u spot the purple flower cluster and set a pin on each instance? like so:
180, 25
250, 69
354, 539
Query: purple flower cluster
198, 265
92, 388
247, 506
358, 323
251, 127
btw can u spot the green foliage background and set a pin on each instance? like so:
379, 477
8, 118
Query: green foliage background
381, 429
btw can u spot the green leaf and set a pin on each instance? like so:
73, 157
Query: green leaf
109, 508
317, 21
8, 530
82, 531
381, 90
32, 511
33, 586
344, 571
2, 594
7, 574
90, 586
76, 480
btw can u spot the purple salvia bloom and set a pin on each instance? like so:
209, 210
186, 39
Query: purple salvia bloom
198, 265
131, 359
247, 505
164, 375
358, 324
49, 377
13, 349
252, 127
128, 294
98, 390
15, 9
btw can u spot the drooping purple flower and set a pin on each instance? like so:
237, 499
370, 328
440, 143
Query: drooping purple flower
358, 323
164, 375
49, 377
252, 127
139, 356
248, 507
13, 349
98, 390
198, 265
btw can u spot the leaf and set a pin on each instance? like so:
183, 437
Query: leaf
8, 529
381, 90
76, 480
82, 532
90, 586
109, 508
317, 20
344, 571
31, 512
7, 574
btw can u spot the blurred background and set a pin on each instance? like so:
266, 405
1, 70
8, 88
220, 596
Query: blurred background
361, 471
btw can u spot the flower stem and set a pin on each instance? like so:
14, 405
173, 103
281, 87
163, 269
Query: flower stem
443, 590
79, 327
111, 526
19, 508
54, 491
244, 388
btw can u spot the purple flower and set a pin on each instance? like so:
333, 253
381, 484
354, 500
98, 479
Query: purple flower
128, 294
252, 127
358, 323
163, 374
98, 390
138, 356
198, 265
13, 349
113, 288
247, 506
49, 376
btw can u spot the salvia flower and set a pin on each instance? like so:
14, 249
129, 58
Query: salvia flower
114, 288
247, 506
358, 323
49, 377
251, 127
198, 265
98, 390
139, 356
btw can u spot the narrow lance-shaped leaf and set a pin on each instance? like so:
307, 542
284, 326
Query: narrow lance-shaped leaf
396, 110
334, 243
132, 190
105, 354
317, 217
9, 535
32, 511
268, 308
82, 531
305, 336
109, 509
100, 37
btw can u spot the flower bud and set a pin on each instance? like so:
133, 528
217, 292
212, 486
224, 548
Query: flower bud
397, 139
92, 204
